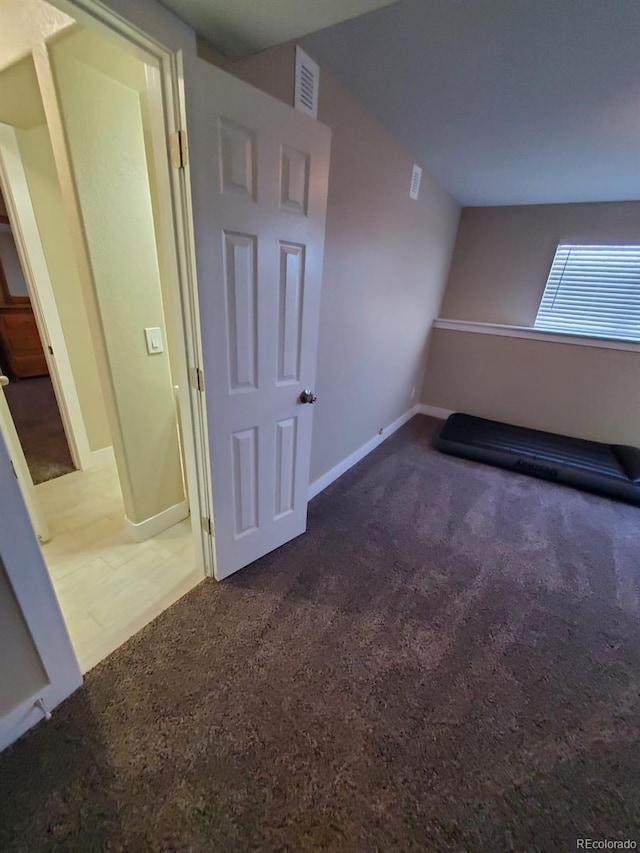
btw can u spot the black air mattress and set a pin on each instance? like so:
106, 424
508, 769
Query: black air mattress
609, 469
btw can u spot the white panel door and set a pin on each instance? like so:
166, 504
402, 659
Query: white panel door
259, 173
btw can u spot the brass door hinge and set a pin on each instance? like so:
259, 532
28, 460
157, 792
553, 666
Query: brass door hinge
179, 149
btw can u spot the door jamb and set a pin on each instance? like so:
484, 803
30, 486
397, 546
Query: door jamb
24, 563
170, 96
28, 576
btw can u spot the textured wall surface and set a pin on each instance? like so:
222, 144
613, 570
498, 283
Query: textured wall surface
104, 126
44, 189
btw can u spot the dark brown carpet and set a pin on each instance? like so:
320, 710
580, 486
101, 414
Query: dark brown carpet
35, 412
448, 660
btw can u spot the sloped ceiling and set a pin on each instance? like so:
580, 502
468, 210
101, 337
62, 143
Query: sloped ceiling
241, 27
505, 101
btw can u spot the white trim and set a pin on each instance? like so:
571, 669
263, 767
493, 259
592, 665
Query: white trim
182, 325
150, 527
102, 457
21, 469
500, 330
342, 467
157, 33
434, 411
36, 272
171, 42
18, 721
25, 568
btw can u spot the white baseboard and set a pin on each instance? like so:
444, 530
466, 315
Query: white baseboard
150, 527
342, 467
434, 411
101, 457
18, 721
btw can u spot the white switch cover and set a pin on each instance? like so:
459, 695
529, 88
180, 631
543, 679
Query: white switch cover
416, 175
154, 340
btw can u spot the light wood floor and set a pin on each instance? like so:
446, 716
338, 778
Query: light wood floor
108, 586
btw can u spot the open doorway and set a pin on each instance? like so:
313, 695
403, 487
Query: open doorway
83, 152
30, 394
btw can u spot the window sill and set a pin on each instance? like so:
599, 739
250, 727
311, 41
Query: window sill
500, 330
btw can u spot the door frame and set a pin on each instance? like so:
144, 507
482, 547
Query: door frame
34, 593
22, 558
26, 236
166, 97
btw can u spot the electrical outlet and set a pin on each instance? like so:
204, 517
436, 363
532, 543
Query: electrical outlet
380, 431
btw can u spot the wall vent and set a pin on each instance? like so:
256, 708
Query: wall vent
416, 175
307, 83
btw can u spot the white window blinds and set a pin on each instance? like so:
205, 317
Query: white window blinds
593, 291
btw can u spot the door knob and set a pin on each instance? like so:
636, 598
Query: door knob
4, 380
307, 397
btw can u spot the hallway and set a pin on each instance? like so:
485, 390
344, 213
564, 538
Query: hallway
108, 585
35, 413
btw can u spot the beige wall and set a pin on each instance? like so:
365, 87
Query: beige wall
573, 390
270, 70
25, 25
46, 197
106, 142
386, 261
21, 107
503, 254
21, 672
498, 273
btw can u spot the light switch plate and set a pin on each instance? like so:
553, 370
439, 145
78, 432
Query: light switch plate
153, 336
416, 175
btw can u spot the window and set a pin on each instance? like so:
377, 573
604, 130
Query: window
593, 291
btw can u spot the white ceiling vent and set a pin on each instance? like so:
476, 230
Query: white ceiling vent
307, 83
416, 175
